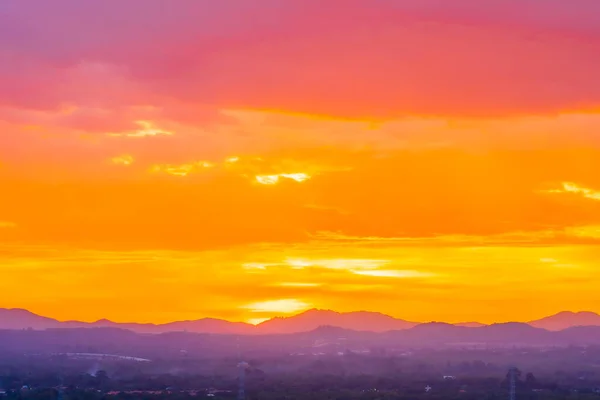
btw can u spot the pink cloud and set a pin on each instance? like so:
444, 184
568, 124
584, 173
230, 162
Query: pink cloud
353, 58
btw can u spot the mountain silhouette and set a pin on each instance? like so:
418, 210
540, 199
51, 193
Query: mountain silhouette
312, 319
23, 319
19, 319
567, 319
326, 339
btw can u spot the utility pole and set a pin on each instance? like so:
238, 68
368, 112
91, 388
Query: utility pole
512, 383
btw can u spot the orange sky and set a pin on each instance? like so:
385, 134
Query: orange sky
432, 162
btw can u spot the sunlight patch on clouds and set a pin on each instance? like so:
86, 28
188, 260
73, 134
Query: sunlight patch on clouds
570, 187
299, 284
338, 264
6, 224
232, 160
257, 266
285, 306
267, 179
590, 232
276, 178
182, 169
380, 273
124, 159
460, 240
299, 177
147, 128
298, 263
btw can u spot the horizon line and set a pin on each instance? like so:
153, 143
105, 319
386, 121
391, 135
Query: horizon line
291, 315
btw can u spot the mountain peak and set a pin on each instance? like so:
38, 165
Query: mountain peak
312, 319
575, 313
567, 319
19, 318
16, 311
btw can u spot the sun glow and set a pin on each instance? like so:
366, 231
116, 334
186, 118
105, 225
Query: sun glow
153, 180
257, 321
285, 306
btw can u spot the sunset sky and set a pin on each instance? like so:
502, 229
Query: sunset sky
241, 159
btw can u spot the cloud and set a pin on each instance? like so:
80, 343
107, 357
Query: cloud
182, 169
274, 179
147, 129
337, 264
299, 284
115, 284
385, 273
589, 232
124, 159
255, 266
413, 196
395, 136
569, 187
7, 224
203, 53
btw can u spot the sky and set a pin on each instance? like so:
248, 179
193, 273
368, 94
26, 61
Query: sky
428, 159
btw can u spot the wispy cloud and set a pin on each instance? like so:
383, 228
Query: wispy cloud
570, 187
7, 224
299, 284
338, 264
590, 232
387, 273
274, 179
147, 128
182, 169
255, 266
124, 159
517, 238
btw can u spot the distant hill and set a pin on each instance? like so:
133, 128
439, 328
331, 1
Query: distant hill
204, 325
567, 319
324, 340
19, 319
312, 319
436, 333
16, 318
23, 319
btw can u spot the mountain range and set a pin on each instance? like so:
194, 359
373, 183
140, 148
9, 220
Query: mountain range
19, 319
